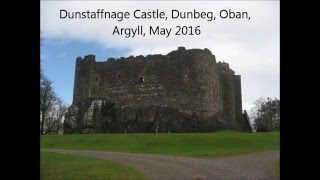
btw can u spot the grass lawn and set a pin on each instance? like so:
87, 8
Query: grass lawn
206, 145
276, 167
59, 166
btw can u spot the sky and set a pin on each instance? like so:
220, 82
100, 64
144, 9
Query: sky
252, 48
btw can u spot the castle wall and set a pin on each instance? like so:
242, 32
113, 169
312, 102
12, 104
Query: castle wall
228, 97
238, 101
183, 91
81, 89
184, 80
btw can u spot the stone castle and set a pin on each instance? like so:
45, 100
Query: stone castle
183, 91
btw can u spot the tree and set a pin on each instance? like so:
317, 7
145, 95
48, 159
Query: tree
54, 122
266, 115
52, 109
60, 111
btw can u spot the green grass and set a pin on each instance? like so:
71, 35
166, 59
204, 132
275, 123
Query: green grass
60, 166
276, 167
206, 145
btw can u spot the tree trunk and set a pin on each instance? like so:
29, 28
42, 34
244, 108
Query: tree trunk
42, 124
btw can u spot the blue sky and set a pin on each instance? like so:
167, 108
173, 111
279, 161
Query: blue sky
58, 57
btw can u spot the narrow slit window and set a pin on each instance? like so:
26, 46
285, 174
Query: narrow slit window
96, 79
141, 79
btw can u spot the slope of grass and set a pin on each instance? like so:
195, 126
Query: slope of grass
59, 166
214, 144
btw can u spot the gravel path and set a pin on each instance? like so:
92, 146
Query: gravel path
249, 166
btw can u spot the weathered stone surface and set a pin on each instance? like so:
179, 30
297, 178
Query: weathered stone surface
183, 91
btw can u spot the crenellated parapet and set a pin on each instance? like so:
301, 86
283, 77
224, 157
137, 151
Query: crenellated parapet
224, 68
183, 91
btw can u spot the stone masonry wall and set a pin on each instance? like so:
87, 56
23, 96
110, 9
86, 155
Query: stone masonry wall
183, 91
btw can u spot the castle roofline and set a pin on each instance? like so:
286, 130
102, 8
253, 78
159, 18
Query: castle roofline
87, 58
181, 49
224, 68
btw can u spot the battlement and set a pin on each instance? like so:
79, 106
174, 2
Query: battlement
224, 67
186, 81
87, 59
179, 52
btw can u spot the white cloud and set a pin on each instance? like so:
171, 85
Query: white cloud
250, 47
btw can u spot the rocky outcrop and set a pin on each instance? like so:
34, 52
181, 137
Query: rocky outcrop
104, 116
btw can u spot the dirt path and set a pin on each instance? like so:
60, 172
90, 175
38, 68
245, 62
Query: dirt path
249, 166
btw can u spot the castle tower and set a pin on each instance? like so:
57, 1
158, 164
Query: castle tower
183, 91
82, 79
231, 95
